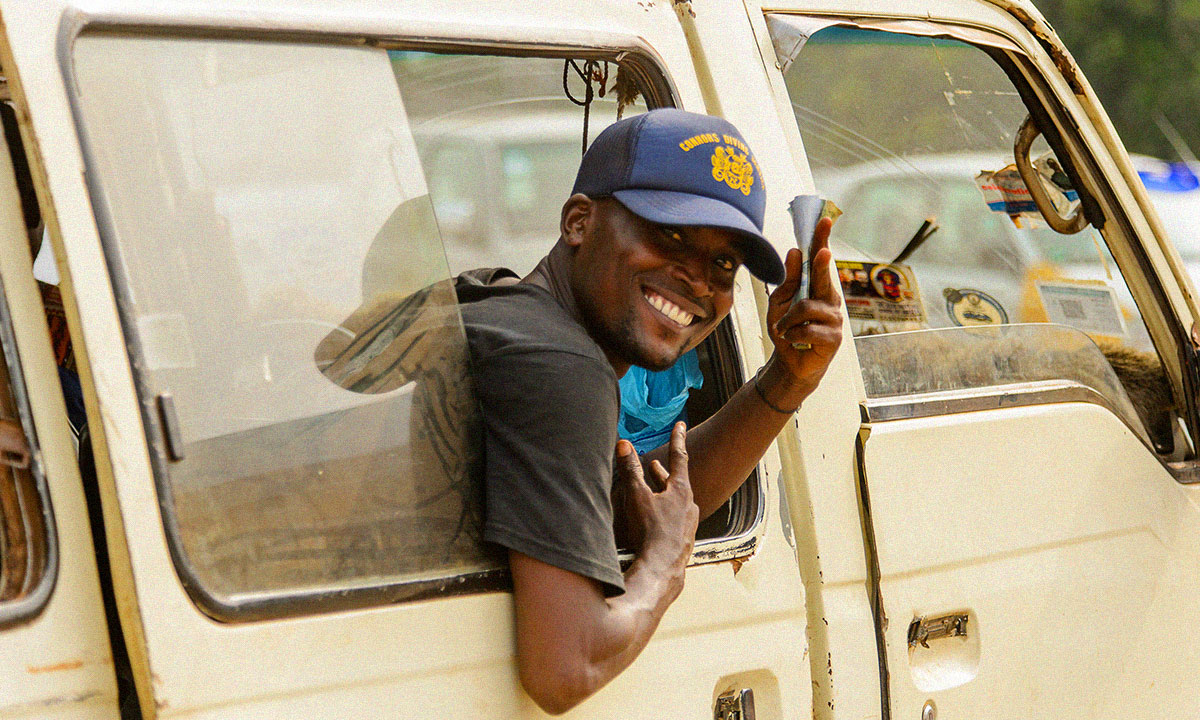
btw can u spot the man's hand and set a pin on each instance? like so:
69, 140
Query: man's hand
571, 641
794, 370
661, 523
726, 447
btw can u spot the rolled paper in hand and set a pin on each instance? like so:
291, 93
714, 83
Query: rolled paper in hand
807, 211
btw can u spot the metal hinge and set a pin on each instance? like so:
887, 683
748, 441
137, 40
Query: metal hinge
735, 705
922, 630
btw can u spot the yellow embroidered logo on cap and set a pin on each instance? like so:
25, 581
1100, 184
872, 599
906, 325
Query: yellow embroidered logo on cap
733, 169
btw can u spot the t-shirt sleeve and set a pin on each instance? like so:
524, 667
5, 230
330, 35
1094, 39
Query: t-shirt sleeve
550, 429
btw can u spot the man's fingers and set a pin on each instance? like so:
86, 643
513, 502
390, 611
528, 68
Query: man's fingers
820, 238
629, 463
659, 472
793, 265
810, 312
815, 336
822, 261
678, 453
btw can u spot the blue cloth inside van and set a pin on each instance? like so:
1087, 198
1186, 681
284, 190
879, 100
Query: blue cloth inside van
652, 402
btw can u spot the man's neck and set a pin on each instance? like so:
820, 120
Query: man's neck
553, 274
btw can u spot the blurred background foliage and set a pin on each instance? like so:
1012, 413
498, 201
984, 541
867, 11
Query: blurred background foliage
1143, 59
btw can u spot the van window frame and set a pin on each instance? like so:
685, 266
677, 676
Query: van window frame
1098, 202
659, 91
1086, 172
32, 603
1062, 134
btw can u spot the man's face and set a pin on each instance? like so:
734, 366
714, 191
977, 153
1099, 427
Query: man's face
649, 293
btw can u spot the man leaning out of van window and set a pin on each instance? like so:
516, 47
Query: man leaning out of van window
666, 207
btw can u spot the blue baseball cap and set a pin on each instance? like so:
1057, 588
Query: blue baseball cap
673, 167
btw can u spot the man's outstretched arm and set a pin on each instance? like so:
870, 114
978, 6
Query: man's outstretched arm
571, 640
725, 448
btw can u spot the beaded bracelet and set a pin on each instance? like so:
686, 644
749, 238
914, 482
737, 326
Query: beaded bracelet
763, 396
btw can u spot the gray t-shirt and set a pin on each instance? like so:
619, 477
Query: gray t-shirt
549, 401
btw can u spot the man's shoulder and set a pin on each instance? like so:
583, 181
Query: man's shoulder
519, 318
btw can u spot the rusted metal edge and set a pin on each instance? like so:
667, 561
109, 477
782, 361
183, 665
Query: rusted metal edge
1047, 38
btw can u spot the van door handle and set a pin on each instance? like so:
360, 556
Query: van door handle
922, 630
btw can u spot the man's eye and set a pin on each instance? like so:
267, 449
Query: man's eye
726, 264
672, 236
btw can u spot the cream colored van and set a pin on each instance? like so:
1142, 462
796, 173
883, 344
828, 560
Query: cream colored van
985, 520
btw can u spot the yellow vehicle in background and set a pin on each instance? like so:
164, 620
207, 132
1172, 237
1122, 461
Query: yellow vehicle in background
980, 519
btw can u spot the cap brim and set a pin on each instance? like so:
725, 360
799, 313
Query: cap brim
667, 207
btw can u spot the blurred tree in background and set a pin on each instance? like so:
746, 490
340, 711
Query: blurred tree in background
1143, 59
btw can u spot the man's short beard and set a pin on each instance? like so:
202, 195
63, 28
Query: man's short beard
622, 342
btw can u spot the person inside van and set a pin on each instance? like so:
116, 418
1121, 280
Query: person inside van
666, 207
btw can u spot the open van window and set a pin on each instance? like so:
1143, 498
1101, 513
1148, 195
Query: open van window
289, 306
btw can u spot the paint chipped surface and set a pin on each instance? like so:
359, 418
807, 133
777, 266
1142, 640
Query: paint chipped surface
741, 551
1054, 49
57, 667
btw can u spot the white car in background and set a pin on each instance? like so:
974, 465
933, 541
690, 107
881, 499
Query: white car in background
498, 182
886, 201
1174, 188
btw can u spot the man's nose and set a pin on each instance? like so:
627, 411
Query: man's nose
694, 272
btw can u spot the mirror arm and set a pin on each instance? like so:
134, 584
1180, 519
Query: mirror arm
1033, 181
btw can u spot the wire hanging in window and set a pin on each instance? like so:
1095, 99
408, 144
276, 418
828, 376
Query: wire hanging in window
590, 73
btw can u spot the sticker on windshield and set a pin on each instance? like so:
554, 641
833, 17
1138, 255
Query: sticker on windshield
1087, 305
1005, 192
881, 297
967, 307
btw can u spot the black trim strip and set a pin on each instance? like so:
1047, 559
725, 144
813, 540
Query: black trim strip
874, 575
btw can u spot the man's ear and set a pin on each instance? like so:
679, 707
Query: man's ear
576, 214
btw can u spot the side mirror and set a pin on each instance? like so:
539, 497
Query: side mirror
1036, 184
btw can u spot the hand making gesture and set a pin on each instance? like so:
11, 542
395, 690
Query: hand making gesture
660, 516
806, 334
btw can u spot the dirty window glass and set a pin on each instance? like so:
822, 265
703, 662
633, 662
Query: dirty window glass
285, 283
535, 176
912, 137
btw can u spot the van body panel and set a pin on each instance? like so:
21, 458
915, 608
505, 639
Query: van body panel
57, 658
1038, 523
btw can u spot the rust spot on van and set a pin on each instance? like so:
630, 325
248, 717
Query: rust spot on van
737, 564
68, 665
1061, 60
743, 549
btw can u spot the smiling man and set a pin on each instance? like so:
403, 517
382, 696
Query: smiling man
667, 206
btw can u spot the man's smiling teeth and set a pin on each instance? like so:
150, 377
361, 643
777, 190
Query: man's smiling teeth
670, 309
